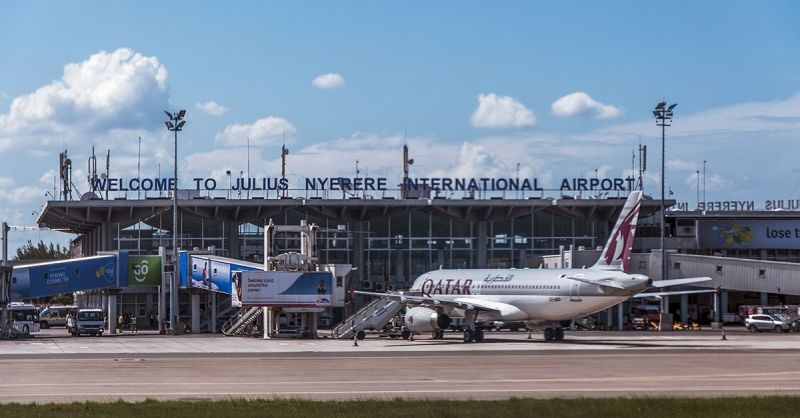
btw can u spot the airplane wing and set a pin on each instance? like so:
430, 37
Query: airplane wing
508, 311
675, 282
599, 282
659, 295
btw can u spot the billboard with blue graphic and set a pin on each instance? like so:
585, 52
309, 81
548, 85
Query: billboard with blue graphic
287, 288
213, 273
66, 276
749, 234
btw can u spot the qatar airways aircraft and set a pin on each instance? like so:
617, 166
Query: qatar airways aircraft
535, 296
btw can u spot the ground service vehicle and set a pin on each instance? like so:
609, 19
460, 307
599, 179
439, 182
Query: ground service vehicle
24, 317
56, 316
88, 321
755, 323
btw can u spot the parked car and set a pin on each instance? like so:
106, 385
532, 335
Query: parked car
755, 323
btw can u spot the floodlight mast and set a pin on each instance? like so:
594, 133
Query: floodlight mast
663, 116
174, 124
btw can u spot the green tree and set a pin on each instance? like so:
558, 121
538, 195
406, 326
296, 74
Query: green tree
41, 251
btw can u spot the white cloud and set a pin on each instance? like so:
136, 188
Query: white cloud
265, 131
328, 81
681, 165
713, 183
211, 107
110, 90
11, 194
750, 117
501, 112
475, 160
581, 104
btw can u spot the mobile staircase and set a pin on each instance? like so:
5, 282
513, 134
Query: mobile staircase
240, 323
373, 316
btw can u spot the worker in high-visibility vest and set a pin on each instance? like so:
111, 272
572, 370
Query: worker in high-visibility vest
120, 322
134, 328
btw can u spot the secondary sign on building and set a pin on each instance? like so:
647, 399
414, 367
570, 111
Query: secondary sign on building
749, 234
286, 288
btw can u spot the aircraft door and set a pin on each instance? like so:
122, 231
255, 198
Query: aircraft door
575, 291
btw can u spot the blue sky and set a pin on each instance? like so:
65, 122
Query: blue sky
474, 84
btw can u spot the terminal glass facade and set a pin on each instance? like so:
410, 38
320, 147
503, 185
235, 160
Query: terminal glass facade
389, 251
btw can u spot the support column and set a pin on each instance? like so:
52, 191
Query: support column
195, 312
213, 312
665, 305
620, 317
610, 318
314, 323
723, 303
685, 309
104, 302
112, 313
267, 323
162, 292
358, 252
764, 298
481, 237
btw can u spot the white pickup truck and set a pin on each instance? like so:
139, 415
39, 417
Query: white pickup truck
88, 321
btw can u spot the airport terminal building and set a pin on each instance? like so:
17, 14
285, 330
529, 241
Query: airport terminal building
391, 236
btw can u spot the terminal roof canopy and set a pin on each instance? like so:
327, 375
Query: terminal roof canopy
82, 217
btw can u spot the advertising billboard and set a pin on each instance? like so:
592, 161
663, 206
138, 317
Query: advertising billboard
65, 276
215, 273
287, 288
749, 234
144, 270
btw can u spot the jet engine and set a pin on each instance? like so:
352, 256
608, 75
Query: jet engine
422, 319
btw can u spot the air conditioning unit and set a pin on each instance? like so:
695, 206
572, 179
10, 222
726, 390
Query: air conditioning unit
379, 287
367, 285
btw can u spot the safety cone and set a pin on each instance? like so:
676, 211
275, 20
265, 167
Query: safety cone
724, 338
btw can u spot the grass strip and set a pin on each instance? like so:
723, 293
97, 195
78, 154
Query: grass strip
517, 407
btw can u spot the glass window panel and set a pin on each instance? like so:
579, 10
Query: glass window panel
542, 224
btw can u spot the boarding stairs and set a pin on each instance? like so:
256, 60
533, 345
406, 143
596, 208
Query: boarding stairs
373, 316
238, 324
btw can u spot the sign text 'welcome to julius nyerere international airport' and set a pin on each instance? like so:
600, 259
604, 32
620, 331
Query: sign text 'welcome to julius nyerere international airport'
449, 184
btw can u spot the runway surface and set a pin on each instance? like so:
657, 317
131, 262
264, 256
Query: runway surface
454, 376
700, 365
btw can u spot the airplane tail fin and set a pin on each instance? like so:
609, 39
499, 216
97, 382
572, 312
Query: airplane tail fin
617, 252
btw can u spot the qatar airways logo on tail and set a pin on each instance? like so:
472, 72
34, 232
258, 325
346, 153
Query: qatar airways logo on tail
623, 238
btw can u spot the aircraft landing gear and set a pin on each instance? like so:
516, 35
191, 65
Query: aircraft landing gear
438, 334
473, 335
553, 334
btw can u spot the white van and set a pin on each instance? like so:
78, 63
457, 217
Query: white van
56, 316
88, 321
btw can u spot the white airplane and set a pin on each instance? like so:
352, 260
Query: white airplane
534, 296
